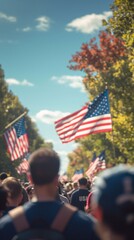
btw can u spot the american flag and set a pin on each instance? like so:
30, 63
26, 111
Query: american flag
23, 167
94, 118
17, 140
77, 175
97, 164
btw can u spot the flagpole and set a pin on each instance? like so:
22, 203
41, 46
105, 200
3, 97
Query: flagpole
11, 123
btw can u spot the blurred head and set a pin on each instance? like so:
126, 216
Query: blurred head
113, 200
30, 191
75, 185
14, 191
68, 186
44, 166
3, 175
82, 181
3, 199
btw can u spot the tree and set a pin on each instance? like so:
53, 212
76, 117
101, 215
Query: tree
107, 63
10, 109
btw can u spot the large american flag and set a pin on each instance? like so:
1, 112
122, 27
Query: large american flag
17, 139
94, 118
97, 164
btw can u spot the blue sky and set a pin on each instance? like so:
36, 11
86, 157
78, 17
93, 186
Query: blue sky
37, 40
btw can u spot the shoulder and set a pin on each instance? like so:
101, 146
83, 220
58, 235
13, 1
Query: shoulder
7, 229
81, 226
76, 192
64, 199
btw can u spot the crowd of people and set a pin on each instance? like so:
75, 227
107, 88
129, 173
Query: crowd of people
101, 210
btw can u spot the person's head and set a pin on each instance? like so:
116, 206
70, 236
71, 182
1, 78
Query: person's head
44, 166
113, 200
68, 187
14, 191
75, 185
30, 192
3, 199
82, 182
3, 176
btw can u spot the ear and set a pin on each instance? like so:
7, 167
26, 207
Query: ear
20, 198
56, 180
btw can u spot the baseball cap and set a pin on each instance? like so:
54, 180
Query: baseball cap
3, 175
114, 198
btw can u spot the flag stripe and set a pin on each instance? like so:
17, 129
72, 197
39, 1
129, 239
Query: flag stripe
17, 140
72, 116
91, 119
85, 126
101, 119
23, 167
96, 165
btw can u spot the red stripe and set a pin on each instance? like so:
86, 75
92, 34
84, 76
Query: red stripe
17, 147
71, 115
81, 130
83, 135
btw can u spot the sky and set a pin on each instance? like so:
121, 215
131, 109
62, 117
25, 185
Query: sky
37, 40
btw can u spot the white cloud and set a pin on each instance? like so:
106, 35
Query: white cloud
26, 29
64, 160
43, 23
33, 119
88, 23
50, 141
49, 117
72, 81
13, 81
7, 17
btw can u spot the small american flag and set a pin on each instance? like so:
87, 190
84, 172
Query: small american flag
63, 177
77, 175
17, 140
98, 164
91, 119
23, 167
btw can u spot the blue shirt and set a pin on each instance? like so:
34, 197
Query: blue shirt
80, 226
79, 197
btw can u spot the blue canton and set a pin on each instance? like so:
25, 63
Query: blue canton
99, 106
20, 127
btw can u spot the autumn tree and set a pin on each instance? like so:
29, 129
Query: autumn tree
107, 63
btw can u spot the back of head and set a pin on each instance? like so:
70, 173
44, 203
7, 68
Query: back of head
3, 198
13, 187
114, 199
44, 166
3, 175
75, 185
82, 181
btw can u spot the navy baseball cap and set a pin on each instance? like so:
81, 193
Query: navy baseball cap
114, 199
3, 175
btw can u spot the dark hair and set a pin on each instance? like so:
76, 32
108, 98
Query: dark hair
44, 166
82, 181
3, 198
12, 186
3, 175
29, 189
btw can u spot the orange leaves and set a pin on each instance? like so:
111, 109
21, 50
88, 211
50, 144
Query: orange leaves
98, 57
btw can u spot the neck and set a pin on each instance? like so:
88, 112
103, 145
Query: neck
82, 187
45, 193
